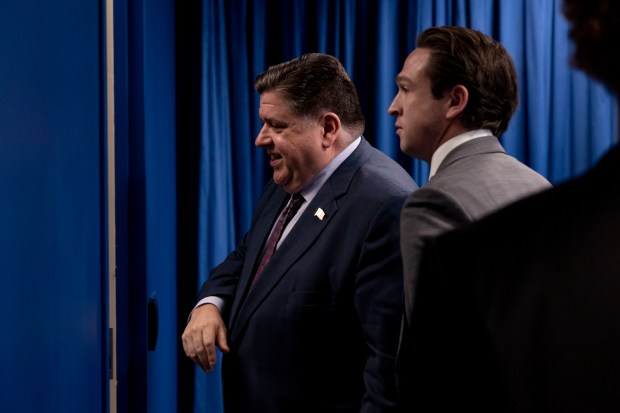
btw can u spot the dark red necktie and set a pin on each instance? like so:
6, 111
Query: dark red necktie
285, 217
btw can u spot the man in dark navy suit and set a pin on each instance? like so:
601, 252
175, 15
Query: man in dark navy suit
314, 329
520, 312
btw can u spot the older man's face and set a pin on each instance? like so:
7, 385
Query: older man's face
293, 143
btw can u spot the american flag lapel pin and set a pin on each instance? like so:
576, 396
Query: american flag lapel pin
320, 214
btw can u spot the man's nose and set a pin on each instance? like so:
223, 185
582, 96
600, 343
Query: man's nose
392, 110
262, 139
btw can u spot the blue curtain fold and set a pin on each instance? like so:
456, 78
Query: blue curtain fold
563, 124
216, 220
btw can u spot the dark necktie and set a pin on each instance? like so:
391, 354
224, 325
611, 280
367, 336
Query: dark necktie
285, 217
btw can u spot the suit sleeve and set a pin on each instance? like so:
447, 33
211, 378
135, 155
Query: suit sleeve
378, 302
224, 279
426, 214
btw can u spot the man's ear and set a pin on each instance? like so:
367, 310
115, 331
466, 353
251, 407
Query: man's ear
459, 96
331, 128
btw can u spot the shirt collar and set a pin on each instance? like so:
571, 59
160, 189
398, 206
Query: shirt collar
448, 146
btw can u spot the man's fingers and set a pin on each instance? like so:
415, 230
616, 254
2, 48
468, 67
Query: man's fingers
194, 346
210, 355
221, 340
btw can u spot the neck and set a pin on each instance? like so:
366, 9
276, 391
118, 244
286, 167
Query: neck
452, 130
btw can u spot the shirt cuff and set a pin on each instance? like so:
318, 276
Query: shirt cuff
212, 299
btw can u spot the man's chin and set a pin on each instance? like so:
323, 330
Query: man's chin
288, 186
280, 181
276, 178
408, 150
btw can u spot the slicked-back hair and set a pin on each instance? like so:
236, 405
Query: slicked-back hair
461, 56
595, 29
314, 83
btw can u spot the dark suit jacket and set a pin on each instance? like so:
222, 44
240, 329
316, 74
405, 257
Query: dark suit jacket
475, 179
520, 312
319, 331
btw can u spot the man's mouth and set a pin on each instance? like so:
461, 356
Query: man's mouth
274, 158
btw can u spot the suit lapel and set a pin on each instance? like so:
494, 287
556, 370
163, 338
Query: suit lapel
268, 217
301, 238
260, 232
307, 229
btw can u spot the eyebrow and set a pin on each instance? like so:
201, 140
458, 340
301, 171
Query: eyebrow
271, 121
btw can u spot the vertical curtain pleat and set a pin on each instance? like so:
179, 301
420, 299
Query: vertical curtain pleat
511, 34
557, 153
384, 79
538, 68
257, 33
242, 97
216, 220
563, 124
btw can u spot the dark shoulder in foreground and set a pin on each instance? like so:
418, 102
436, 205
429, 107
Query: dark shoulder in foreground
570, 203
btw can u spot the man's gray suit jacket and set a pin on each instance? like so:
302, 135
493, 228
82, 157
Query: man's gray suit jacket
476, 178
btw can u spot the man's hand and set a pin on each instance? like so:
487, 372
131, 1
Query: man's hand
205, 330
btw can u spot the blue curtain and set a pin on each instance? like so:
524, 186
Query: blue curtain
563, 124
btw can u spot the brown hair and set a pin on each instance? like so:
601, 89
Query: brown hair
467, 57
313, 83
595, 29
